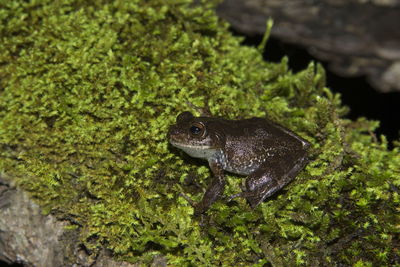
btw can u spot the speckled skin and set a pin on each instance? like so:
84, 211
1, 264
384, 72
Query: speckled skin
268, 153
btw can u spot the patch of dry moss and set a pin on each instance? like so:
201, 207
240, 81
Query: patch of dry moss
87, 92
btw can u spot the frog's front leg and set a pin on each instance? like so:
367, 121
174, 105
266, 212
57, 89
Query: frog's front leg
214, 190
272, 176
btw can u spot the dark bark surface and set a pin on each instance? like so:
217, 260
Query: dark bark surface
32, 239
356, 37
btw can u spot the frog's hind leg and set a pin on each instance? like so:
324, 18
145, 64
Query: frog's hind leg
272, 176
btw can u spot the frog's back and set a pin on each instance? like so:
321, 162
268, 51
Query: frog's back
251, 142
281, 135
263, 132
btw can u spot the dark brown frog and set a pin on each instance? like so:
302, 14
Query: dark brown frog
267, 153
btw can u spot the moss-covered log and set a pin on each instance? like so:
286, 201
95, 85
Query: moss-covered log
87, 92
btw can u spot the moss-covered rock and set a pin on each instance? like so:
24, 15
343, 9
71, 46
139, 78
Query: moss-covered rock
87, 92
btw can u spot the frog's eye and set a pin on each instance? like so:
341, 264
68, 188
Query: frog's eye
197, 129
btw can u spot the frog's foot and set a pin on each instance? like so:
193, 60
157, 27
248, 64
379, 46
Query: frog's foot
192, 182
230, 198
198, 208
252, 198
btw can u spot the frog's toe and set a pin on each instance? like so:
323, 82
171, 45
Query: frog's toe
230, 198
254, 200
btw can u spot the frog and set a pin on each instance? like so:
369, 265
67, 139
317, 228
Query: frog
267, 153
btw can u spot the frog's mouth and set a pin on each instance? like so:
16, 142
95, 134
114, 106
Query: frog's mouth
196, 151
188, 146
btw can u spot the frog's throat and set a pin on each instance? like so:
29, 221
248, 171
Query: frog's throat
204, 151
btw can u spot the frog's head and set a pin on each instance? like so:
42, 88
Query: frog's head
195, 135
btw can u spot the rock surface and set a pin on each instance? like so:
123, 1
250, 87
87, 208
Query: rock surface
356, 37
30, 238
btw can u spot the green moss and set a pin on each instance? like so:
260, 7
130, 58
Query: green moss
88, 90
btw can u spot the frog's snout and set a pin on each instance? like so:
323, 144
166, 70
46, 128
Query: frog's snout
172, 132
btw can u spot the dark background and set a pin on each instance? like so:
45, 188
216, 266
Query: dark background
2, 263
356, 92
